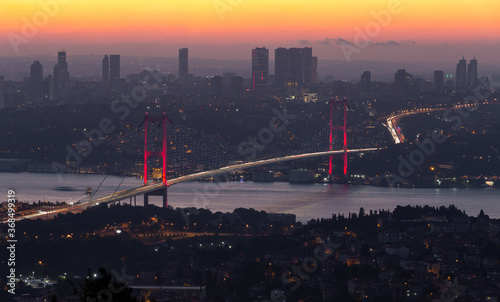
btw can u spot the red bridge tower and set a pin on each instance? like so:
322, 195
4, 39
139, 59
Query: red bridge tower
163, 154
335, 102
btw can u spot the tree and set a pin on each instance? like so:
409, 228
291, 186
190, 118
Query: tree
361, 212
482, 215
65, 287
104, 287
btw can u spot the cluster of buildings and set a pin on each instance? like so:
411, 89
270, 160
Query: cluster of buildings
409, 254
466, 77
295, 76
294, 67
57, 84
111, 70
52, 86
415, 260
294, 83
448, 258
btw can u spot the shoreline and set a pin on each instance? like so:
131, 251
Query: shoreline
355, 182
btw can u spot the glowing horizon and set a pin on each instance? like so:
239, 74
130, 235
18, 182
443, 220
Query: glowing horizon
251, 22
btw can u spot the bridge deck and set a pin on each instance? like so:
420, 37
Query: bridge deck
125, 194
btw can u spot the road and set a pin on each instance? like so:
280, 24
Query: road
395, 130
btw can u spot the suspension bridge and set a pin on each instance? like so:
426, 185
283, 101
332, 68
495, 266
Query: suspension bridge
160, 188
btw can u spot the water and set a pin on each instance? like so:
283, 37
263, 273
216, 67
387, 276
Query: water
306, 201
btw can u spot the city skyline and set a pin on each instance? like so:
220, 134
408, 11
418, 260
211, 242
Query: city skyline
274, 63
396, 30
232, 150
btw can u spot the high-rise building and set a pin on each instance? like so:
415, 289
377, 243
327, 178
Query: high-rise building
48, 88
306, 56
399, 81
36, 79
105, 70
114, 69
461, 75
438, 80
183, 64
236, 87
216, 86
472, 73
314, 70
402, 82
366, 81
226, 78
292, 89
294, 65
260, 68
281, 66
61, 74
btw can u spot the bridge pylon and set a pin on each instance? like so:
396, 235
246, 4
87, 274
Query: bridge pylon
345, 105
163, 154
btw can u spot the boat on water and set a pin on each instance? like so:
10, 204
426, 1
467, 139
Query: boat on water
65, 189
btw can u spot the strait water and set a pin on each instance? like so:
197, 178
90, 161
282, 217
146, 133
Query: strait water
306, 201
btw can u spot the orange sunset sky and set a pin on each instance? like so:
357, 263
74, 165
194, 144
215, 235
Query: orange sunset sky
416, 29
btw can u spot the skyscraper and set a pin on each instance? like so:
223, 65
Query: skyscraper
36, 78
216, 86
294, 65
460, 78
403, 82
48, 88
61, 74
236, 87
306, 56
183, 64
399, 79
105, 70
472, 73
314, 70
260, 67
114, 69
281, 66
438, 80
366, 81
